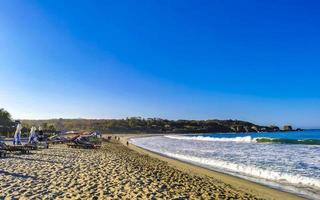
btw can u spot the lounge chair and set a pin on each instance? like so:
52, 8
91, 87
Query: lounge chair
57, 140
21, 148
85, 142
31, 146
83, 145
37, 145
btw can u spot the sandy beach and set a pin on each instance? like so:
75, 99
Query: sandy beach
117, 172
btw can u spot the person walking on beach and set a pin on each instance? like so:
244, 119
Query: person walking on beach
32, 136
40, 134
17, 135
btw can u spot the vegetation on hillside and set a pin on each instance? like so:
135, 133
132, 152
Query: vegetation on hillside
150, 125
132, 125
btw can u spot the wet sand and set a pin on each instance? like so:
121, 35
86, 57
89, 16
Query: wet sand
113, 172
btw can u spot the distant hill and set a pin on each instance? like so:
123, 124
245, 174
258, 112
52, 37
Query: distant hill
149, 125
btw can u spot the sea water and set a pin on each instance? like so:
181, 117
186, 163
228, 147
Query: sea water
289, 161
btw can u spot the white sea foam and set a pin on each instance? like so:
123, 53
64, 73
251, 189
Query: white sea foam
250, 170
246, 139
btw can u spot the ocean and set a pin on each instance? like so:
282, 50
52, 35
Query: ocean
288, 161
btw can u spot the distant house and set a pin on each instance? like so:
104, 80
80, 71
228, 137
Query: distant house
287, 128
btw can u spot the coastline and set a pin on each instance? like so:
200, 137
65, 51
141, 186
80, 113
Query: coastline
256, 189
118, 172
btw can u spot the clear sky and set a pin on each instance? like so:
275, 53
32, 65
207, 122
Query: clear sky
249, 60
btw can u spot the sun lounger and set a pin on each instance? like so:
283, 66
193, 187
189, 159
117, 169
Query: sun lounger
31, 146
20, 148
37, 145
83, 146
57, 140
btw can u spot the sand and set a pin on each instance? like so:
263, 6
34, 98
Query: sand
113, 172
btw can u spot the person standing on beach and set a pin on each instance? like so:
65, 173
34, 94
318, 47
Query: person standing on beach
17, 135
40, 135
32, 136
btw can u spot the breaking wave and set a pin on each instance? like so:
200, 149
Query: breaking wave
203, 138
250, 170
247, 139
287, 141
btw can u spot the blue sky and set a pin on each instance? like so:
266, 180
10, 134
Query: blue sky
249, 60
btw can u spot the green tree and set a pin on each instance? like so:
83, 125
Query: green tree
5, 118
6, 122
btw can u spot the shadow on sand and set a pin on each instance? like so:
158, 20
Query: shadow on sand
17, 175
39, 160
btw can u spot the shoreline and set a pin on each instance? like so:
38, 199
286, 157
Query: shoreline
118, 171
254, 188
